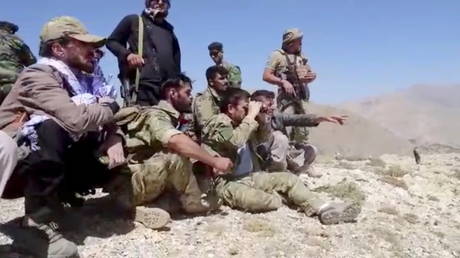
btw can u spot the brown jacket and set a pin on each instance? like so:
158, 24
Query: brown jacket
42, 90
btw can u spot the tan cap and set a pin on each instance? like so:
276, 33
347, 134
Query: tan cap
291, 34
63, 26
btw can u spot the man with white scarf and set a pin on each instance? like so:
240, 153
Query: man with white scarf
66, 119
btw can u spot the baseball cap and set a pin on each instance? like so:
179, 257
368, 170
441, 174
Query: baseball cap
291, 34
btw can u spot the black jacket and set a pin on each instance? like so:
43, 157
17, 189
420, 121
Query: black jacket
124, 41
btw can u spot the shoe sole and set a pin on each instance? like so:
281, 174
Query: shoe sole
333, 216
153, 218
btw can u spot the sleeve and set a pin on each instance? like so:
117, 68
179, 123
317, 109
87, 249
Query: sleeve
161, 128
305, 120
203, 109
273, 61
24, 53
48, 96
223, 134
118, 40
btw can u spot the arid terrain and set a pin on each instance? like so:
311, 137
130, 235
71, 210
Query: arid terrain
408, 210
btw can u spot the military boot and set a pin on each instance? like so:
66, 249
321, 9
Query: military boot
43, 239
336, 213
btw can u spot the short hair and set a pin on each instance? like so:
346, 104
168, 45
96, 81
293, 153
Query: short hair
262, 94
147, 3
212, 71
45, 47
174, 83
232, 97
216, 46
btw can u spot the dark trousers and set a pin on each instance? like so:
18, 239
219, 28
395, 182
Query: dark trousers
62, 167
148, 94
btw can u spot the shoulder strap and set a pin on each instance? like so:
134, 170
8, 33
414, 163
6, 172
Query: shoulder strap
140, 51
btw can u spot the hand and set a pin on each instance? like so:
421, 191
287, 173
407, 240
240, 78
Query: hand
254, 109
309, 77
114, 148
288, 88
222, 166
135, 60
334, 119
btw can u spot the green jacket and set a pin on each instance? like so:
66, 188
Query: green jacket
221, 137
234, 75
148, 130
15, 55
205, 106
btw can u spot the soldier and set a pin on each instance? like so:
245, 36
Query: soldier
277, 153
234, 133
14, 56
206, 104
146, 59
216, 52
288, 69
160, 154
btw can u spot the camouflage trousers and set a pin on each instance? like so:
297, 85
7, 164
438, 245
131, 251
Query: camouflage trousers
262, 191
289, 105
282, 153
166, 172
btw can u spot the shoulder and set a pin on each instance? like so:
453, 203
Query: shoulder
40, 73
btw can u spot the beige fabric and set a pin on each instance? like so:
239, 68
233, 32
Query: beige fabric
60, 27
291, 34
39, 90
8, 159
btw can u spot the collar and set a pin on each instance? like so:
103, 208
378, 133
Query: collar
213, 93
168, 108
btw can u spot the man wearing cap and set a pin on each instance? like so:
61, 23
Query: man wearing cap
288, 69
216, 52
48, 113
14, 56
160, 58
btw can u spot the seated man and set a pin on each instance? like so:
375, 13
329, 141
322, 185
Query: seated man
277, 152
206, 104
62, 162
234, 133
159, 154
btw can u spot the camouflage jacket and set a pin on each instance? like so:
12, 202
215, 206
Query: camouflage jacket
234, 75
220, 136
280, 121
205, 106
14, 56
148, 130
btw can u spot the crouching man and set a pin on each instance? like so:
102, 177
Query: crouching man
45, 113
159, 155
277, 152
234, 133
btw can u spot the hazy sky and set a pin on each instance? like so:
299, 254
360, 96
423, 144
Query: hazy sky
357, 47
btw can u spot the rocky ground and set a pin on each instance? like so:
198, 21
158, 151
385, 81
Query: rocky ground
408, 210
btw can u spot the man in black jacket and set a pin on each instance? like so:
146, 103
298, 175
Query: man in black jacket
160, 58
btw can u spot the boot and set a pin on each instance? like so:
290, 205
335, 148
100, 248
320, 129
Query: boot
43, 229
336, 213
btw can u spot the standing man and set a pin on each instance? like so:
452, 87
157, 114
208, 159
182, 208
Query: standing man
14, 56
62, 161
145, 65
216, 52
287, 68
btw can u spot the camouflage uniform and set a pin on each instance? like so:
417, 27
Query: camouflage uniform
278, 62
153, 168
234, 74
254, 191
205, 106
14, 56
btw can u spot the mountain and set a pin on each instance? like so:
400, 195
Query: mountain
423, 114
359, 136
